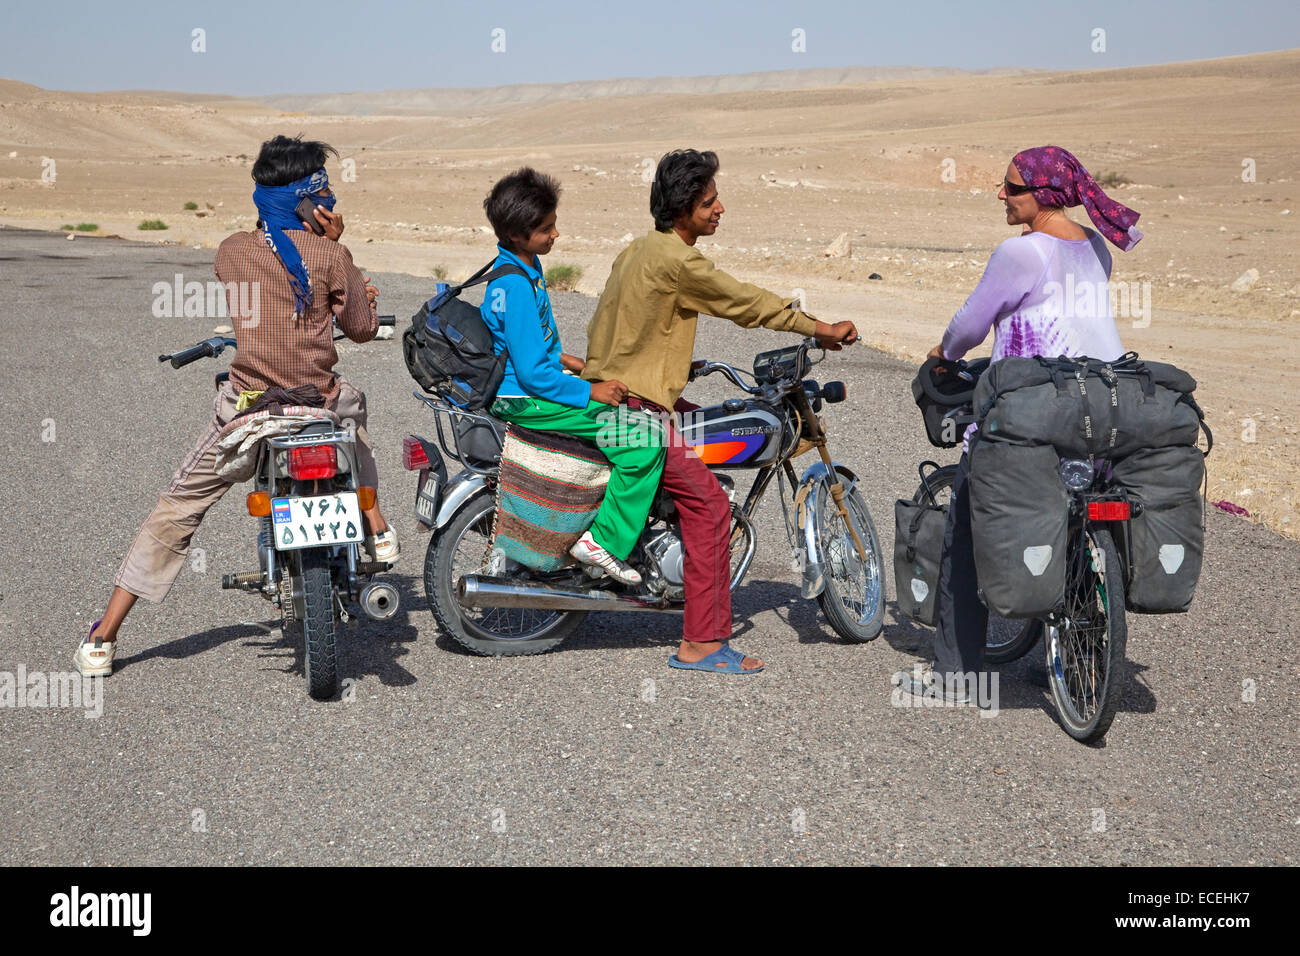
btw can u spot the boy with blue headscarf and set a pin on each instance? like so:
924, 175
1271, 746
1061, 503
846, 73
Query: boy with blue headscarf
300, 283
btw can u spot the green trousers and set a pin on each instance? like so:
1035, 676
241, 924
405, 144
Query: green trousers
631, 440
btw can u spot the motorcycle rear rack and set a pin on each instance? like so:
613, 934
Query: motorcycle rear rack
441, 407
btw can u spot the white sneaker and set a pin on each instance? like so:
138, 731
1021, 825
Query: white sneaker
588, 552
384, 546
94, 661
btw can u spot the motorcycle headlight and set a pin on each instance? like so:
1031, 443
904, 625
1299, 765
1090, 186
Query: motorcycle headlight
1076, 474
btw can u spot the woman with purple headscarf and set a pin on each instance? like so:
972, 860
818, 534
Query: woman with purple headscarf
1044, 292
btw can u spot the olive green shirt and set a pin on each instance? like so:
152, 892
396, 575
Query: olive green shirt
643, 332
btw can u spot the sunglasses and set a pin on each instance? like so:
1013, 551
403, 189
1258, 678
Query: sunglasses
1015, 190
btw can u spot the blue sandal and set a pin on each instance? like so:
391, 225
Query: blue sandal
722, 661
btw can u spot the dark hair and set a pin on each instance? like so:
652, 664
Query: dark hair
284, 160
519, 202
680, 178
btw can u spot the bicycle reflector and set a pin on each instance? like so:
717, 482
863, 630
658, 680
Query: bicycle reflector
309, 462
1108, 511
413, 456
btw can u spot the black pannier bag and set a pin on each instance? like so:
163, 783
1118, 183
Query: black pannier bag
449, 348
943, 391
918, 548
1087, 407
1020, 521
1167, 540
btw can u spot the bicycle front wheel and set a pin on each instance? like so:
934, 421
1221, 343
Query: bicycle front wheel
1085, 643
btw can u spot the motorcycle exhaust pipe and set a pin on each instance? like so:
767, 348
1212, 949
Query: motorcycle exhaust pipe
379, 601
475, 591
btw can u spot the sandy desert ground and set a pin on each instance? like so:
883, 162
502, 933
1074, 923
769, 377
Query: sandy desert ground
855, 169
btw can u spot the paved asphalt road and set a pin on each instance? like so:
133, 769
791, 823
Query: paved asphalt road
209, 750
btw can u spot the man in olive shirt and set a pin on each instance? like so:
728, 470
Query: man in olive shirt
643, 334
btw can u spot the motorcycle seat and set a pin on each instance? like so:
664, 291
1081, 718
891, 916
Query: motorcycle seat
481, 439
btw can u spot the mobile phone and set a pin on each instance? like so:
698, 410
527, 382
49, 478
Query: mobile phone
305, 211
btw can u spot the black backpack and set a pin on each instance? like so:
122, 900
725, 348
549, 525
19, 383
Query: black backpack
449, 348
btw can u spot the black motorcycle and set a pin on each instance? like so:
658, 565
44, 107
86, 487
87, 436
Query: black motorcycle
310, 532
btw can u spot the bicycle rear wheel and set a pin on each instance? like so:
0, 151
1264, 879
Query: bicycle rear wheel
1085, 644
1007, 639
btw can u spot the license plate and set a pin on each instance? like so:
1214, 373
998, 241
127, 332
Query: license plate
426, 498
316, 521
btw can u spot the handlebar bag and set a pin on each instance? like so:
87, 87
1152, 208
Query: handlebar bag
1019, 522
944, 396
1167, 539
549, 489
1087, 407
918, 549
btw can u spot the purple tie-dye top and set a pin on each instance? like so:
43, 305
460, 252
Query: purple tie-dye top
1041, 296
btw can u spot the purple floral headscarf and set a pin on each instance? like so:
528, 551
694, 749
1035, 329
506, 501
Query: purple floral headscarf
1060, 180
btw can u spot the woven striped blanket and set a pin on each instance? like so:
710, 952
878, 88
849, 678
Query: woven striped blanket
548, 492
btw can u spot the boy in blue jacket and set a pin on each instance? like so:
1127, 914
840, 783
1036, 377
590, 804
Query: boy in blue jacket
535, 392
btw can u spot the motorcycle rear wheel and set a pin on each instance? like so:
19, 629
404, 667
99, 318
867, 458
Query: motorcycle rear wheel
462, 548
319, 624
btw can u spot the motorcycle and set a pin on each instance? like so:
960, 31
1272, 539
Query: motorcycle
310, 531
496, 607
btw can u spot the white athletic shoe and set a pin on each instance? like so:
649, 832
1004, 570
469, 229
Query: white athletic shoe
92, 661
588, 552
385, 546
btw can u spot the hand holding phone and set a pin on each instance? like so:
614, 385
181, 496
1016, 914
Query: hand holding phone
306, 211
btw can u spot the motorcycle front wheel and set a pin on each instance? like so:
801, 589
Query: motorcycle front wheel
853, 598
462, 548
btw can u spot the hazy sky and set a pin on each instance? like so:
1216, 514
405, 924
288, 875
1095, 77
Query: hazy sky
337, 45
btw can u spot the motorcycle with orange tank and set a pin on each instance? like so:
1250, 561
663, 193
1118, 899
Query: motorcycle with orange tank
496, 606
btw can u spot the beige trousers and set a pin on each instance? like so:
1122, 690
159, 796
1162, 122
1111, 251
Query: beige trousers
158, 553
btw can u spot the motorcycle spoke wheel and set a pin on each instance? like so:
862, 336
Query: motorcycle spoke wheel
462, 548
471, 555
853, 596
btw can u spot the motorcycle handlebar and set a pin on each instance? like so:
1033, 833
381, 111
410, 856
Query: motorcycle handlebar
208, 348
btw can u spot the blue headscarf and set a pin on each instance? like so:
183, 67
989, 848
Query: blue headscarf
275, 206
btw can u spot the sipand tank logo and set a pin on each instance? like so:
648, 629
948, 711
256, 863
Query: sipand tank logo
103, 909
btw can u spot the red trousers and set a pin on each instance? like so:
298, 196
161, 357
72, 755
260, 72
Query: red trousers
705, 513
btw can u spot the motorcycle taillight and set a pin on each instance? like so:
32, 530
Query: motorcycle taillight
1108, 511
413, 454
309, 462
